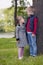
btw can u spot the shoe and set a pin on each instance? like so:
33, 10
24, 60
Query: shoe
20, 58
34, 55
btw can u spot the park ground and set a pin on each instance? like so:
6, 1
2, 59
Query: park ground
8, 54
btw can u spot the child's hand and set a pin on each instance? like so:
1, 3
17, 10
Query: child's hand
18, 41
33, 35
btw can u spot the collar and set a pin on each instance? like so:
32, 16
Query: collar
31, 16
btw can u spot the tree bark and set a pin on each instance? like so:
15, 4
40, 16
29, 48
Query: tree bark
15, 13
38, 4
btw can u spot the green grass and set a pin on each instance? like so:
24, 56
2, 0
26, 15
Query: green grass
8, 54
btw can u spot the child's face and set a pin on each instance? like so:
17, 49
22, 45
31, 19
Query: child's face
29, 11
21, 20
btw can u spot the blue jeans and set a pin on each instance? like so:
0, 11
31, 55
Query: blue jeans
32, 43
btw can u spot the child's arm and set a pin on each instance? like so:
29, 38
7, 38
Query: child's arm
35, 26
17, 33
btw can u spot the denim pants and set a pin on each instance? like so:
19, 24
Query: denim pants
32, 44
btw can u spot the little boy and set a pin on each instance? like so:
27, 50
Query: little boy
31, 29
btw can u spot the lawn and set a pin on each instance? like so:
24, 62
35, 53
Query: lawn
8, 54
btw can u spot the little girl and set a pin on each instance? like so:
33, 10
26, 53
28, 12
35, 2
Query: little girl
21, 36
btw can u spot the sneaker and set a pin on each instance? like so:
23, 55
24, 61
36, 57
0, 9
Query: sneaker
34, 55
20, 58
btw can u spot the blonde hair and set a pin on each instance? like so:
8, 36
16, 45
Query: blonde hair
30, 8
18, 19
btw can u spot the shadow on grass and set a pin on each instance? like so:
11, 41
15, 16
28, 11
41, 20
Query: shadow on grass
26, 52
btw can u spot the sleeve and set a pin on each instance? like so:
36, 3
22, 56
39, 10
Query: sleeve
35, 25
17, 33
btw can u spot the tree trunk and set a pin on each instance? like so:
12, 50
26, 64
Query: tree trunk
38, 4
15, 13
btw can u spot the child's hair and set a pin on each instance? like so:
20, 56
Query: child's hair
18, 19
31, 8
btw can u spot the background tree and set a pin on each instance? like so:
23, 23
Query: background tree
19, 10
